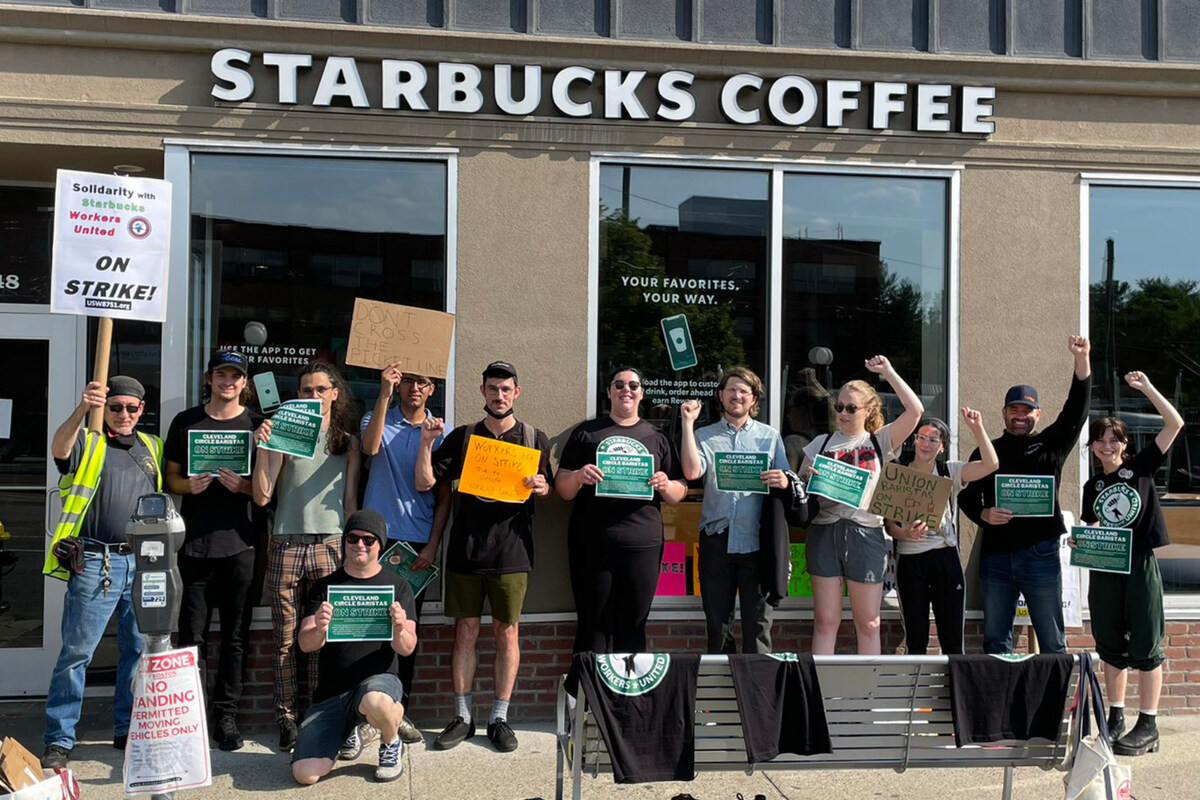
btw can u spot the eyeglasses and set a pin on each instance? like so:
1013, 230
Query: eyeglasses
367, 539
849, 408
633, 385
130, 409
317, 390
920, 437
420, 383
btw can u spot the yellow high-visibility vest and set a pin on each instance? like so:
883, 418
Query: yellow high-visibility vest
79, 487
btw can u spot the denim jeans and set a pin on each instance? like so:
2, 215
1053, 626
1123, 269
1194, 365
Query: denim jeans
87, 609
1034, 572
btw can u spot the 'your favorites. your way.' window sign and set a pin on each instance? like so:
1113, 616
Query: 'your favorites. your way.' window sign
580, 92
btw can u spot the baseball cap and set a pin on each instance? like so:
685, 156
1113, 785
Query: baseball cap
500, 369
228, 358
124, 386
1023, 394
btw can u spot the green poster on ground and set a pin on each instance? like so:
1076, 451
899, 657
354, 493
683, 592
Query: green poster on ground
840, 482
294, 432
1026, 495
741, 472
209, 451
399, 558
1102, 549
625, 475
360, 613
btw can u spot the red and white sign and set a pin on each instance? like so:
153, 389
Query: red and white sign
168, 732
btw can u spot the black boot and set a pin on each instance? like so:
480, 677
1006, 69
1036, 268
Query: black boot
1116, 723
1141, 740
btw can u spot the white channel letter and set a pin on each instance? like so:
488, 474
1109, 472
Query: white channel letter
729, 98
459, 79
242, 82
933, 106
287, 64
504, 90
838, 101
619, 94
561, 91
886, 99
340, 78
404, 80
677, 103
976, 103
808, 100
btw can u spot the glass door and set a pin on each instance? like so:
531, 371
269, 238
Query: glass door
41, 385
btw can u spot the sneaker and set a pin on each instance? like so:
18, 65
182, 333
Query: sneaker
226, 733
501, 736
360, 737
55, 757
409, 734
120, 740
288, 733
391, 760
457, 731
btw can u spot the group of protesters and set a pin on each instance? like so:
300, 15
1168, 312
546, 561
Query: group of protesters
320, 537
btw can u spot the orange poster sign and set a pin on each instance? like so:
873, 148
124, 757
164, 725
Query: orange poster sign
497, 470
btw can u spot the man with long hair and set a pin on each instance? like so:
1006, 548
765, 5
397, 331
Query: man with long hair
315, 495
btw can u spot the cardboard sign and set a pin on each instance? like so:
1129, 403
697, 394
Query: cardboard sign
360, 613
168, 733
497, 470
1102, 549
209, 451
385, 333
840, 482
672, 574
906, 495
112, 236
1026, 495
741, 472
399, 558
294, 432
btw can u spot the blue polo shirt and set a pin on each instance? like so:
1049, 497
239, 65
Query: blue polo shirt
391, 486
737, 511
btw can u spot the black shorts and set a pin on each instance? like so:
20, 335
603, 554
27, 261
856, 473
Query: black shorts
1128, 623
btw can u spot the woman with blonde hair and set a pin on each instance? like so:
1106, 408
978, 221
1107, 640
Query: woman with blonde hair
848, 543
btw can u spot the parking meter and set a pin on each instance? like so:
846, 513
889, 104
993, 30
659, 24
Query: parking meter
155, 533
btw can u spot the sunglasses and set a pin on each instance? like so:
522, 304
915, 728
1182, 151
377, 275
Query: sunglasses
920, 437
633, 385
355, 538
130, 409
849, 408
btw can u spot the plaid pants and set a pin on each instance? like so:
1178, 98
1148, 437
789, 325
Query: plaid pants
292, 569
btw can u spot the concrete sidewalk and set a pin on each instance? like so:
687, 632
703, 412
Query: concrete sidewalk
474, 770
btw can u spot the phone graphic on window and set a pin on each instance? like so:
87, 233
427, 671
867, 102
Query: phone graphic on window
268, 392
679, 342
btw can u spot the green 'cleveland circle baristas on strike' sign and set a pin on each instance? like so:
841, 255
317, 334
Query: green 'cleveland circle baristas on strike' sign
1103, 549
209, 451
294, 432
1026, 495
627, 466
360, 613
838, 481
741, 472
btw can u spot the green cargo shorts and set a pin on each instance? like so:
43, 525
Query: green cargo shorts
1128, 623
505, 593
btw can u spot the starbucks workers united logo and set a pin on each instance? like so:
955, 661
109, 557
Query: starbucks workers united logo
632, 674
1118, 505
623, 445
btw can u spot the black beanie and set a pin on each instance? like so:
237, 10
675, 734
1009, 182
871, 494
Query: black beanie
368, 521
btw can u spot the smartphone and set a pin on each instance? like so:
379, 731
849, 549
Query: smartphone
267, 391
678, 338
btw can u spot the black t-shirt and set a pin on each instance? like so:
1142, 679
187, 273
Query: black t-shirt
342, 666
629, 523
1128, 499
487, 537
129, 472
219, 522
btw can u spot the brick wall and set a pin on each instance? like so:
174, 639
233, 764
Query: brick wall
546, 654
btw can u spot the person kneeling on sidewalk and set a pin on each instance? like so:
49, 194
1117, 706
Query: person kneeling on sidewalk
358, 681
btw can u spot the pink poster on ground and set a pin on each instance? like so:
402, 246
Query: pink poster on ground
672, 575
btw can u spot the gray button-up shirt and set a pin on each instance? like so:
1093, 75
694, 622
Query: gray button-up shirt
737, 511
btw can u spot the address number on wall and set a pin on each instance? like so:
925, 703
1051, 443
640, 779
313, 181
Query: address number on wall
10, 281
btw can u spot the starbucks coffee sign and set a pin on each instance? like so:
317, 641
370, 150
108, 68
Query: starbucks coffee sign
581, 92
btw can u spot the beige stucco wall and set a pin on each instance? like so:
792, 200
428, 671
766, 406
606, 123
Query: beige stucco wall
123, 83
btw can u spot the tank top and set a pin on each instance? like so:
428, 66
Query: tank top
310, 493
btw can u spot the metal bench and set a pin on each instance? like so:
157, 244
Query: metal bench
883, 712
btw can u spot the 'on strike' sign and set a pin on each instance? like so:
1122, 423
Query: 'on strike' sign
112, 236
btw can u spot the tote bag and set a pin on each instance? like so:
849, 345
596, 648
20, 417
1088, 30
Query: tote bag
1094, 773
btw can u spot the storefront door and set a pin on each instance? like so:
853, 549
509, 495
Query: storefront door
42, 369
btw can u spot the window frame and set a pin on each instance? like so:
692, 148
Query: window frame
1183, 605
688, 607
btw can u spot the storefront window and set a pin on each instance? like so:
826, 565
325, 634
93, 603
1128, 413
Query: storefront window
1145, 315
290, 242
26, 229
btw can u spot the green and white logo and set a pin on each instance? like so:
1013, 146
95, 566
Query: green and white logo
622, 445
1118, 506
632, 674
784, 656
